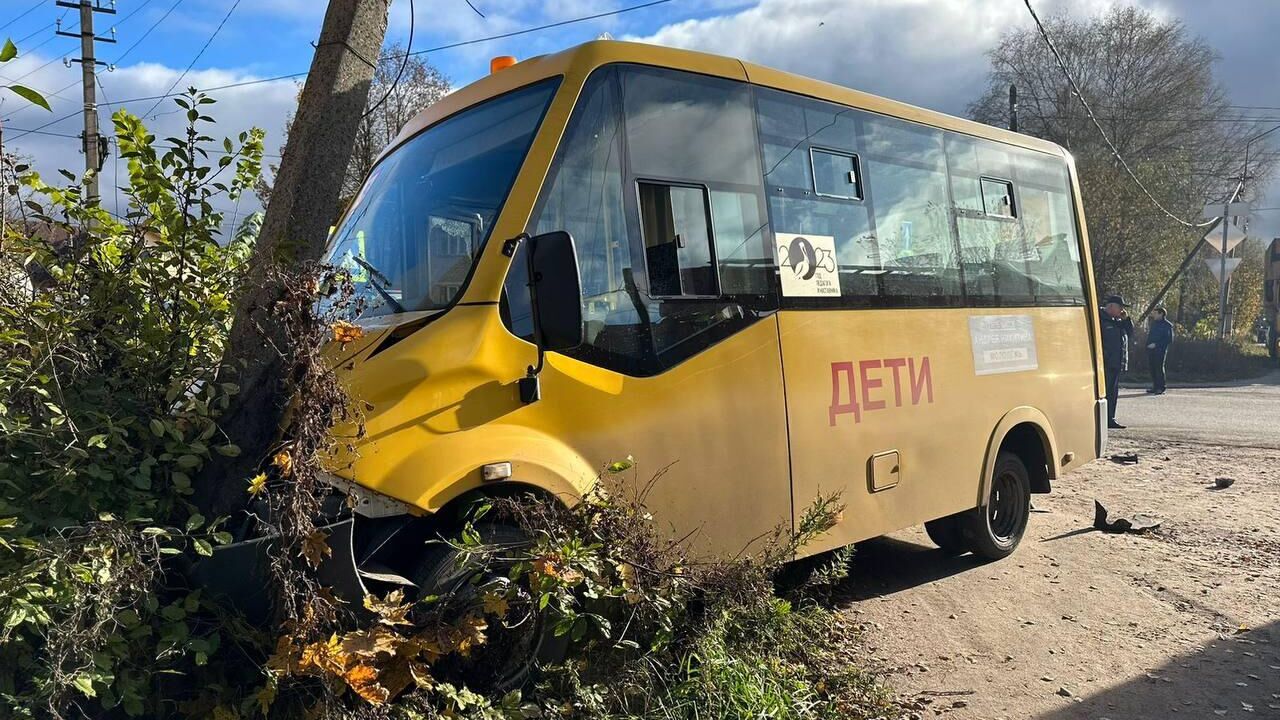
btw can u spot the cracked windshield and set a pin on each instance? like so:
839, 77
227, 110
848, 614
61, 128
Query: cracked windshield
418, 224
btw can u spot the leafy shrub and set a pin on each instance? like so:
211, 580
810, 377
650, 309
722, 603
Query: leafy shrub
111, 335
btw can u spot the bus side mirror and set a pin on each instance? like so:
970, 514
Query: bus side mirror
557, 291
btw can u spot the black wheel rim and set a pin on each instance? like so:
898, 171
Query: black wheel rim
1006, 511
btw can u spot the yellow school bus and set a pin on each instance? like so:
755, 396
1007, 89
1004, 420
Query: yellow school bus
768, 286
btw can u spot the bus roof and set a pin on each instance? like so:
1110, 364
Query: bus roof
579, 61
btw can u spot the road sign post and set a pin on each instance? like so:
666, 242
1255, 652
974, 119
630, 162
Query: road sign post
1228, 212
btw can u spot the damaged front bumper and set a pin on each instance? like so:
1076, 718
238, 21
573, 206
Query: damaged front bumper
359, 525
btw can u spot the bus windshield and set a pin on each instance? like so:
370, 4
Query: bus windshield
418, 223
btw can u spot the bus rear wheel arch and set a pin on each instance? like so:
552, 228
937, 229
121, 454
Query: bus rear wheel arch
994, 529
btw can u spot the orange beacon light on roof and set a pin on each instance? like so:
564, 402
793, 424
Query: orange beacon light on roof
501, 62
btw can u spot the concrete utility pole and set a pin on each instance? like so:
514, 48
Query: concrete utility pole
304, 201
89, 63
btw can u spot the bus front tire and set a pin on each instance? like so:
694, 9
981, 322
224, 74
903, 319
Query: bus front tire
994, 531
509, 659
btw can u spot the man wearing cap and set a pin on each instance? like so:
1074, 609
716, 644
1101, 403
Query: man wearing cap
1117, 328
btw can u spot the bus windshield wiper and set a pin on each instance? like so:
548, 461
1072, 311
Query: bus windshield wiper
376, 279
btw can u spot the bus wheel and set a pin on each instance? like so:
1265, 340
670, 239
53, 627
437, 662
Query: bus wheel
517, 643
995, 531
947, 534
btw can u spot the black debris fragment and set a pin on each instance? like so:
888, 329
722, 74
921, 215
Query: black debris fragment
1138, 524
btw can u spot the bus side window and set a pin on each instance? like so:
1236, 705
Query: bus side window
675, 222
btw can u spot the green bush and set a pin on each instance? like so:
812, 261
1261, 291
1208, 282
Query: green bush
112, 335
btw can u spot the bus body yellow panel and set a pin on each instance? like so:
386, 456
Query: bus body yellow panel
887, 405
445, 403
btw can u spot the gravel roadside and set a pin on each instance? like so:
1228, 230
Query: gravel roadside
1183, 621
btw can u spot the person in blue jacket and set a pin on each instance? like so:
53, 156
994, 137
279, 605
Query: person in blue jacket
1159, 338
1117, 329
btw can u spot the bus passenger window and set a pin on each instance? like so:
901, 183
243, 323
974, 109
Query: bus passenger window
675, 223
906, 178
997, 198
835, 174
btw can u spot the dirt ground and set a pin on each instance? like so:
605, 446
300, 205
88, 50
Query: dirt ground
1182, 622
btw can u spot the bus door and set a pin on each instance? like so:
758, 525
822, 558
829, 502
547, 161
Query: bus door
680, 367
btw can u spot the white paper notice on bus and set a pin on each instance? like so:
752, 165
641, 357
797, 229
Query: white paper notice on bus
1002, 344
807, 264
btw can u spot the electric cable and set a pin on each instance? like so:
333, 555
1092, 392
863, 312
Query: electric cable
200, 54
1088, 110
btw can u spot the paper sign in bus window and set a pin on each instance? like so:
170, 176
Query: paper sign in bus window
807, 264
1002, 344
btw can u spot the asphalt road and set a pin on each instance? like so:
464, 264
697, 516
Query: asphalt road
1246, 414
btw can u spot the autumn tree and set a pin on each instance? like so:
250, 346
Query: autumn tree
1152, 87
395, 97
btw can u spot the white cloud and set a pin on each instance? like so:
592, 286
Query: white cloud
264, 105
926, 52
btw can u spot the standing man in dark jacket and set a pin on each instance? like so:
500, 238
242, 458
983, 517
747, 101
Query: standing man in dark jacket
1116, 328
1158, 341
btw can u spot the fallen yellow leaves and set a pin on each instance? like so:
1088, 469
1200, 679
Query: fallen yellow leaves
345, 332
382, 661
283, 462
392, 610
315, 548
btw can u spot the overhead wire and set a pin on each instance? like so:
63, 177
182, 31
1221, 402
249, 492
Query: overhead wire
404, 62
144, 35
1044, 33
296, 75
548, 26
123, 55
24, 13
25, 38
212, 151
111, 138
199, 54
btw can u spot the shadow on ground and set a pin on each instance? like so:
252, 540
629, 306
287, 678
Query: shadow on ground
1238, 676
884, 566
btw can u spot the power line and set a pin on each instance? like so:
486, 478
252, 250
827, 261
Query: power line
548, 26
404, 62
200, 54
25, 13
58, 93
212, 151
294, 76
37, 32
144, 35
1085, 104
51, 61
135, 11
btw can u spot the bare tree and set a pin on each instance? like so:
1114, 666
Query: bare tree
395, 98
1152, 87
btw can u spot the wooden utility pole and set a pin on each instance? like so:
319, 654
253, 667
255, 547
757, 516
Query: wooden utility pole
303, 202
88, 66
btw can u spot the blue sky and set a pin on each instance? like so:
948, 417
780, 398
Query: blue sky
927, 52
